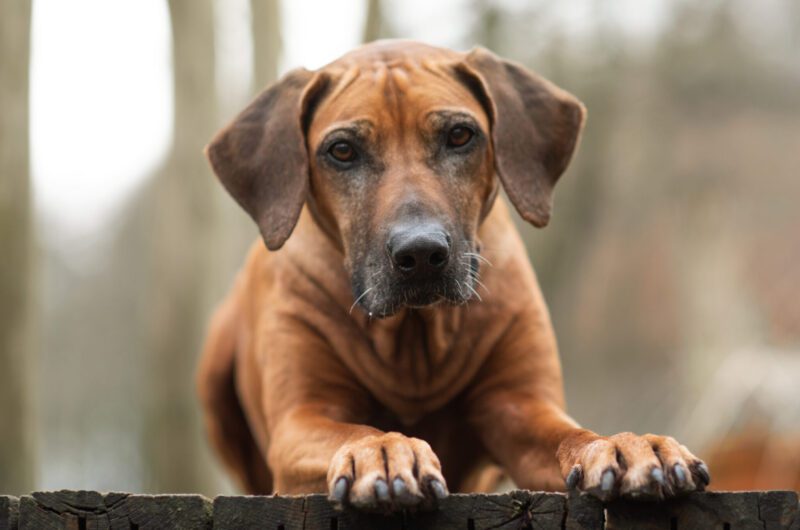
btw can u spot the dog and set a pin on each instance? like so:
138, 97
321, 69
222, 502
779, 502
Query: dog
397, 346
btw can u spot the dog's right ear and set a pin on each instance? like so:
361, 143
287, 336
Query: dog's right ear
261, 156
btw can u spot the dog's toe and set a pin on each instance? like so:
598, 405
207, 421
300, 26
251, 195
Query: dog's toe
684, 471
386, 473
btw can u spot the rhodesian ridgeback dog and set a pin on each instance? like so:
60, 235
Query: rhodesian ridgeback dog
397, 346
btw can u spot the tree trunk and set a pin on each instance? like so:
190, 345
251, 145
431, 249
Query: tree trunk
181, 233
16, 341
373, 24
234, 228
266, 27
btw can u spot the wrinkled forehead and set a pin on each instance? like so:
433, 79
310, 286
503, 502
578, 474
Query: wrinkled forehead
399, 95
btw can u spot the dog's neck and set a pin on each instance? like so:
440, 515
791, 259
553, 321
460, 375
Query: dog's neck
415, 340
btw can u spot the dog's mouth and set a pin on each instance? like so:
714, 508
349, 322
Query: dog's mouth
384, 293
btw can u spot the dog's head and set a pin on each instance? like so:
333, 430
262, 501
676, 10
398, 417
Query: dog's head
395, 148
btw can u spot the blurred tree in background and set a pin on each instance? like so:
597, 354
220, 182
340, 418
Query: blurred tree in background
17, 351
181, 226
375, 22
266, 28
178, 243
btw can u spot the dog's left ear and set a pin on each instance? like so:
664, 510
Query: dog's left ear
261, 156
535, 129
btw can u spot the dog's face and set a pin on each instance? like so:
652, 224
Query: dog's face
401, 171
396, 148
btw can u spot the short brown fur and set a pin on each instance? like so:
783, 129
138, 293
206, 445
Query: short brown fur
305, 392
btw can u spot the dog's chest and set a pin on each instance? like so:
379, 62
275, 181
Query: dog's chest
417, 363
415, 351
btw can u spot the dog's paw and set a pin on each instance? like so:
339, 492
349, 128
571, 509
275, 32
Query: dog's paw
386, 472
632, 466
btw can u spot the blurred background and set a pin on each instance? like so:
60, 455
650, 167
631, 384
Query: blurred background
671, 265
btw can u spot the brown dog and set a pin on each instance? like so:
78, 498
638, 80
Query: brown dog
360, 358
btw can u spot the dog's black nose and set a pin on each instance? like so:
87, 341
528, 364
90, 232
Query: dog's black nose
420, 251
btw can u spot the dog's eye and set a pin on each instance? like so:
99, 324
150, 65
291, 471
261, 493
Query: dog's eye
459, 136
343, 152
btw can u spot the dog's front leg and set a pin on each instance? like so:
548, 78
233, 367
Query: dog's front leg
357, 464
517, 406
319, 439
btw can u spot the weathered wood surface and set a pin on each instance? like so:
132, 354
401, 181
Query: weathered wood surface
518, 509
88, 510
766, 510
9, 509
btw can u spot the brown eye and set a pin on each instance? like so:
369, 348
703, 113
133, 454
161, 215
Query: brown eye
459, 136
343, 152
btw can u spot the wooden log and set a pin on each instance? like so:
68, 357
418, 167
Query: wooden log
295, 513
517, 509
584, 512
9, 512
725, 511
89, 510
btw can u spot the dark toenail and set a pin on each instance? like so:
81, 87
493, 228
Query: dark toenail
339, 489
607, 481
382, 490
399, 486
438, 489
658, 475
680, 475
702, 470
574, 477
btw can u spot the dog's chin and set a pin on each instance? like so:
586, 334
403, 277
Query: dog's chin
419, 298
384, 308
382, 301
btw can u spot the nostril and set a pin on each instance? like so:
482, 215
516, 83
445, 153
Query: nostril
406, 262
437, 259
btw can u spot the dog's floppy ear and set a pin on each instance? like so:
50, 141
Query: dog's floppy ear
261, 156
535, 129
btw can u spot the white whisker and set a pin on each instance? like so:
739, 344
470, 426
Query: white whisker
481, 284
460, 292
478, 257
475, 292
359, 299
